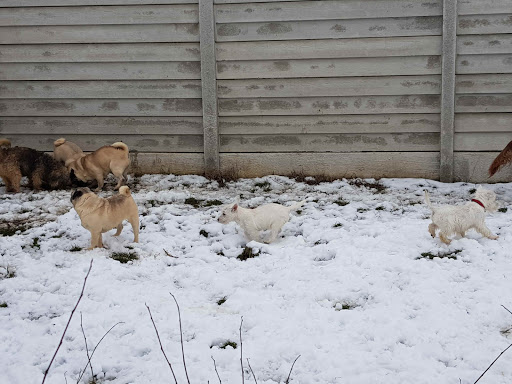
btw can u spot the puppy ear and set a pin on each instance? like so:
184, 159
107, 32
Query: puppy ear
76, 194
234, 208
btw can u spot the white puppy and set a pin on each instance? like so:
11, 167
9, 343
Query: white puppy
263, 218
458, 219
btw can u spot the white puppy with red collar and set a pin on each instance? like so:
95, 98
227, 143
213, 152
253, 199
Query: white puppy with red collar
458, 219
268, 217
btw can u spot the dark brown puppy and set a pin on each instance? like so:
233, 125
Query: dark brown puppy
504, 158
42, 170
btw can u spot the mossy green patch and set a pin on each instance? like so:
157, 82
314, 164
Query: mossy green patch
124, 257
247, 253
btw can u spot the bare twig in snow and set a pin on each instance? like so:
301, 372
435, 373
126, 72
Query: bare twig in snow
253, 375
288, 379
181, 336
67, 325
94, 350
241, 350
86, 347
217, 372
160, 342
496, 359
168, 254
508, 310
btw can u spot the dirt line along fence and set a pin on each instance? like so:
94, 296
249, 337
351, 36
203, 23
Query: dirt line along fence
367, 88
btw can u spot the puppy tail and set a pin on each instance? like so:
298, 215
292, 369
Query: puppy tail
502, 159
296, 206
427, 200
5, 143
124, 190
120, 145
59, 142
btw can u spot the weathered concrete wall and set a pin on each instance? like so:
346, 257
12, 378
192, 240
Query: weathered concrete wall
97, 72
344, 88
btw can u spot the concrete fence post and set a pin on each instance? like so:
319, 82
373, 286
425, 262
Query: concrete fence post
449, 53
209, 87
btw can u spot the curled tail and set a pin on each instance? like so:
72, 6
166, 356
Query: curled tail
427, 200
120, 145
296, 206
124, 190
59, 142
5, 143
502, 159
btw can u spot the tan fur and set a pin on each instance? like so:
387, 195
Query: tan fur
5, 143
66, 151
99, 215
504, 158
97, 165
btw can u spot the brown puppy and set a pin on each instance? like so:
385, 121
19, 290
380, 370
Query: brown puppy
97, 165
42, 170
99, 215
66, 151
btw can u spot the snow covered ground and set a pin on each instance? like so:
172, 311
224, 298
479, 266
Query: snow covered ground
352, 286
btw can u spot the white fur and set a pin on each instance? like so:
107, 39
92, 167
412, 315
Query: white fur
458, 219
268, 217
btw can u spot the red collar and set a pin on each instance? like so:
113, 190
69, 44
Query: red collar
478, 202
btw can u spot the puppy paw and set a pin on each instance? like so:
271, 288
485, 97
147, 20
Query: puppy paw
494, 237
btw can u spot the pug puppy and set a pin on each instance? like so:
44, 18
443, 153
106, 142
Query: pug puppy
66, 151
99, 215
97, 165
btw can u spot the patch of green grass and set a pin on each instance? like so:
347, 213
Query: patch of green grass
361, 210
3, 304
228, 343
311, 179
344, 306
341, 202
442, 255
247, 253
124, 257
35, 243
210, 203
196, 203
220, 253
503, 210
337, 225
265, 185
222, 300
202, 232
472, 190
155, 203
298, 211
95, 380
11, 230
380, 208
377, 185
8, 274
56, 236
75, 248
